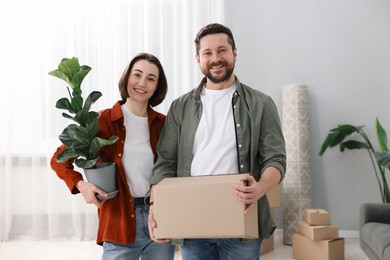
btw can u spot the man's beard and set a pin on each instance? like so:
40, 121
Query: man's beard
218, 79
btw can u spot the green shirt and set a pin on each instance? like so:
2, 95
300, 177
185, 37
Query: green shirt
260, 142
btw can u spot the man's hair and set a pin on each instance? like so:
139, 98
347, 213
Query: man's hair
162, 84
214, 28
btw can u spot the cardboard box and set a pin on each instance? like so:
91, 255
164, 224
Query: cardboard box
273, 197
202, 207
317, 232
267, 245
307, 249
317, 217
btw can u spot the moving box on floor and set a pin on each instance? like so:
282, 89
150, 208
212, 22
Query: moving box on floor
317, 232
316, 217
306, 249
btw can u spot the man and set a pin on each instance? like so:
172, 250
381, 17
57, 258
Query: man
223, 127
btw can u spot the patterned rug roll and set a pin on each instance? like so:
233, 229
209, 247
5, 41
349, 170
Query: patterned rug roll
296, 195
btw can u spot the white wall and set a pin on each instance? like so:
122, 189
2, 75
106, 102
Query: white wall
341, 50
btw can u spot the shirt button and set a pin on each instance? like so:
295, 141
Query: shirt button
122, 141
238, 125
240, 145
132, 215
119, 154
234, 106
242, 166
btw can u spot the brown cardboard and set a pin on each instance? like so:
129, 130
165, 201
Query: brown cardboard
267, 245
273, 197
317, 217
307, 249
202, 207
317, 232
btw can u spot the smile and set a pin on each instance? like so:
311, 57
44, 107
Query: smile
139, 91
217, 67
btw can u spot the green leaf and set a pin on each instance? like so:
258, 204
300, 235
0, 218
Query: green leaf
81, 117
92, 117
74, 136
98, 143
352, 145
382, 136
383, 158
64, 103
61, 75
66, 69
66, 154
67, 116
80, 75
337, 135
92, 130
326, 144
92, 97
69, 67
86, 164
71, 72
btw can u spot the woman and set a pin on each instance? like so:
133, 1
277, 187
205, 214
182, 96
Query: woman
123, 220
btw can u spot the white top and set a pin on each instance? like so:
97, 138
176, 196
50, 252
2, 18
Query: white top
215, 150
138, 158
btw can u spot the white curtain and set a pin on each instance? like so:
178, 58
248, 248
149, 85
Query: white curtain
104, 34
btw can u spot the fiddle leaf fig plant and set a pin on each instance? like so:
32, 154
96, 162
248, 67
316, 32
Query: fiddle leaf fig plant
380, 159
79, 137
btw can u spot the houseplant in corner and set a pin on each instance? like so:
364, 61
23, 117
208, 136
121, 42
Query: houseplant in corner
80, 137
380, 159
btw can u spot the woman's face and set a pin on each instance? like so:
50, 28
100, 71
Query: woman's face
142, 81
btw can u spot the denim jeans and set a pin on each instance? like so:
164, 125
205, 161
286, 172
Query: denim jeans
220, 249
143, 248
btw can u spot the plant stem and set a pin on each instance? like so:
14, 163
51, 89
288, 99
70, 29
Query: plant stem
371, 152
70, 95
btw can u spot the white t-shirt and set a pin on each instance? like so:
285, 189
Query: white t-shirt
138, 158
215, 150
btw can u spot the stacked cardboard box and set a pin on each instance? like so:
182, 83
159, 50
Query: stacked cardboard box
316, 238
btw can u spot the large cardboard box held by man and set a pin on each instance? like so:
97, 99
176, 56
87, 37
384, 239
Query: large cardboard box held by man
202, 207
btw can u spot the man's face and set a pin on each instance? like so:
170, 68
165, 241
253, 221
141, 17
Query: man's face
216, 57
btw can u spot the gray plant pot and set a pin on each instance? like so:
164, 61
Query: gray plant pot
103, 177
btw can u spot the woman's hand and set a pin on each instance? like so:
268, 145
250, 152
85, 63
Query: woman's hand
88, 190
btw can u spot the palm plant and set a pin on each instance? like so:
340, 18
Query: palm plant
79, 137
380, 159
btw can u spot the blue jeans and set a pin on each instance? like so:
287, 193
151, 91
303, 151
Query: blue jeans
143, 248
220, 249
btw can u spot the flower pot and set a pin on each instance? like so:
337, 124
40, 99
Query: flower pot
103, 177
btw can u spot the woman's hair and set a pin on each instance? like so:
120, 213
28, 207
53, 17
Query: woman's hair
162, 84
214, 28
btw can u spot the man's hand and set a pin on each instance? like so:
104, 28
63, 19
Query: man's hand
88, 190
254, 190
250, 193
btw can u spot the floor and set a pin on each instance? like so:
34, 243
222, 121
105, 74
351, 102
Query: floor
88, 250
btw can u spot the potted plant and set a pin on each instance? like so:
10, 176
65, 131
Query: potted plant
80, 137
380, 159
